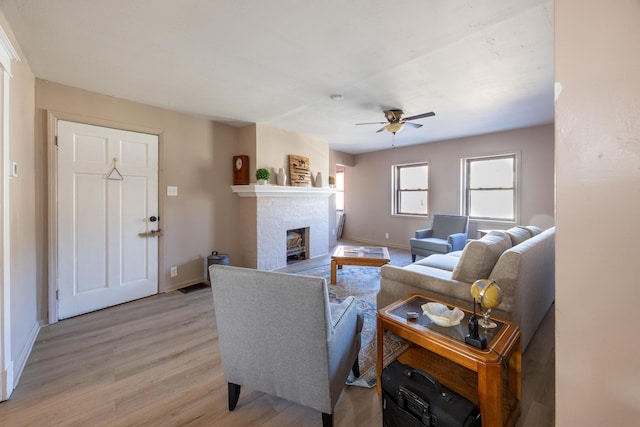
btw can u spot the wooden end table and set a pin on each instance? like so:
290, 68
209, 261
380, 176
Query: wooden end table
358, 255
491, 378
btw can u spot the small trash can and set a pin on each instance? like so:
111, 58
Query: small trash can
216, 258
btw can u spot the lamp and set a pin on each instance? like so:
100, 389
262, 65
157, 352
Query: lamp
394, 127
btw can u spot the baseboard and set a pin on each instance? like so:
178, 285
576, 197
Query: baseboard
6, 381
21, 362
377, 243
177, 286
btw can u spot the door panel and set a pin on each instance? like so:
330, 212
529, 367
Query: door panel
89, 229
102, 259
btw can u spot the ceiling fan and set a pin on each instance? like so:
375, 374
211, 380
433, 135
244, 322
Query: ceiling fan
396, 122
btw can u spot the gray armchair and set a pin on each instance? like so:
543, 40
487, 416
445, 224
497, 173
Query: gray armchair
279, 334
447, 233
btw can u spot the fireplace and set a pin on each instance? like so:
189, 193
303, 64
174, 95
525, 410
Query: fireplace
297, 244
270, 211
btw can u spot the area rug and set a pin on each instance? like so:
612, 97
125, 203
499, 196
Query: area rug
363, 283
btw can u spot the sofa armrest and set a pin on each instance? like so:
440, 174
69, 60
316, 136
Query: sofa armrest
397, 283
343, 341
340, 312
457, 241
423, 234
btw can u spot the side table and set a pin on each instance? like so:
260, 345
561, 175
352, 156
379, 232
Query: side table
491, 377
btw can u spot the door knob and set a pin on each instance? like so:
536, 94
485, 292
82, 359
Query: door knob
154, 219
151, 233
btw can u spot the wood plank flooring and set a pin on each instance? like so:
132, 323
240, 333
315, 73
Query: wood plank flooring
155, 362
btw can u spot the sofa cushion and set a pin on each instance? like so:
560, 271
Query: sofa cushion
443, 262
479, 256
428, 271
518, 235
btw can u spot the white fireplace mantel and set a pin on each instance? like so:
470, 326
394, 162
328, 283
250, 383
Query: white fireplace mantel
256, 190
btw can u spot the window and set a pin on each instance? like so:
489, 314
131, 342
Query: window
411, 187
340, 188
490, 188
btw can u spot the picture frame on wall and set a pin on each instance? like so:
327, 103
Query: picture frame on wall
299, 171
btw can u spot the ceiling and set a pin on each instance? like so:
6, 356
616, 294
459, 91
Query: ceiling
480, 66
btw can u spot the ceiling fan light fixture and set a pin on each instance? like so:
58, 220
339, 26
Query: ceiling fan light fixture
394, 127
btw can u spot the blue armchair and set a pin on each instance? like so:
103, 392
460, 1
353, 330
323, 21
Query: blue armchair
447, 233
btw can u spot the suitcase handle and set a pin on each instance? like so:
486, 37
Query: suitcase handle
410, 401
415, 371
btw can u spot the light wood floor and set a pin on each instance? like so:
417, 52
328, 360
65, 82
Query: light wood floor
155, 362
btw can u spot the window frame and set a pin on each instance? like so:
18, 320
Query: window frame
396, 190
466, 189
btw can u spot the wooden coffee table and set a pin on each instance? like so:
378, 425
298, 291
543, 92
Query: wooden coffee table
358, 255
491, 378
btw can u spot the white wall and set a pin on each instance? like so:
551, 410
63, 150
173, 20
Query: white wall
598, 200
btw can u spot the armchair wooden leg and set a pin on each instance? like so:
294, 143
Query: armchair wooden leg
327, 420
356, 368
234, 395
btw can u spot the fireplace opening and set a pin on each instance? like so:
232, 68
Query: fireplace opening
297, 244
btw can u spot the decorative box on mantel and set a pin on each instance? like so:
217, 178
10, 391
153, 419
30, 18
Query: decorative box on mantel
254, 190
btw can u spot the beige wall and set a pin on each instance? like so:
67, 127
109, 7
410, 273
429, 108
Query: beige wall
368, 183
340, 158
598, 200
273, 147
24, 230
195, 155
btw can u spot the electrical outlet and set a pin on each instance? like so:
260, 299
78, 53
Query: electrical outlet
174, 271
386, 235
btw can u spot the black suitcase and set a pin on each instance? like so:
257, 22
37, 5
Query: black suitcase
412, 397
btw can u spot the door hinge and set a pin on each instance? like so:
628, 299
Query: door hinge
56, 140
57, 293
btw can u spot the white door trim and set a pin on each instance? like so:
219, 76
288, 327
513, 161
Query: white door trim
52, 132
7, 54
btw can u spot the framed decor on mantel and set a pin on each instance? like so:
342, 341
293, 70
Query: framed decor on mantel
299, 171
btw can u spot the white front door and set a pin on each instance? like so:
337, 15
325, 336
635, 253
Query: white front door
102, 259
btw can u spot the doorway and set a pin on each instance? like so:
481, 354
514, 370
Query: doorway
107, 217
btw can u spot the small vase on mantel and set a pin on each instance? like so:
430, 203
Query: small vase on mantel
281, 177
319, 179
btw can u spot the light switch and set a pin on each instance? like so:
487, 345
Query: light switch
172, 190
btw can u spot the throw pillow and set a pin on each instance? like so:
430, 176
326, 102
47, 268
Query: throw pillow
479, 256
518, 235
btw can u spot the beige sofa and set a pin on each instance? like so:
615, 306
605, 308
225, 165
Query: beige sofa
521, 260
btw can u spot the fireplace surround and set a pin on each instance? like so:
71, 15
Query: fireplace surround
278, 209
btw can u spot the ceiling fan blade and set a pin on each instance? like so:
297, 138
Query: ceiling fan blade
420, 116
372, 123
381, 129
415, 125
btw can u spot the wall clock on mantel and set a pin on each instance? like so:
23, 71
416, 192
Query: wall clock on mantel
240, 170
